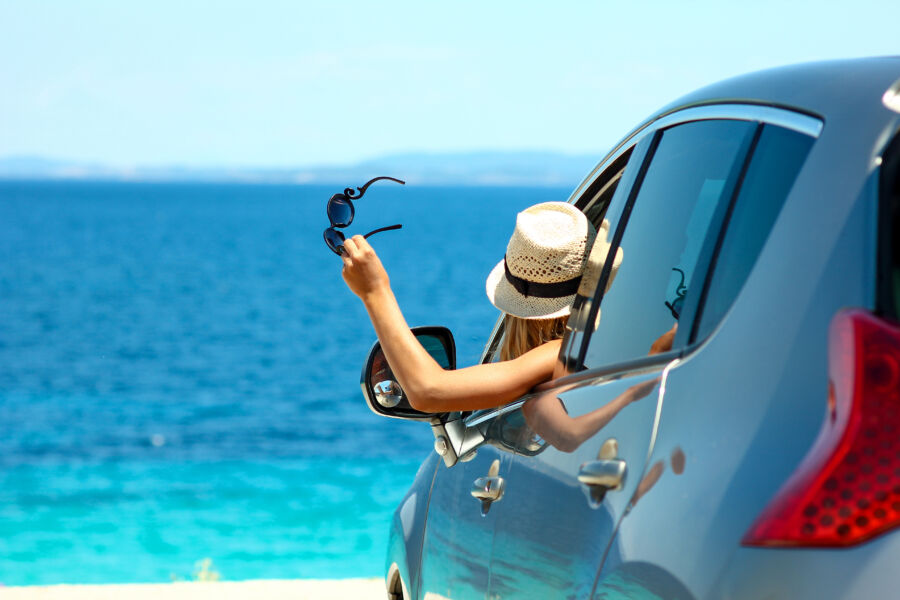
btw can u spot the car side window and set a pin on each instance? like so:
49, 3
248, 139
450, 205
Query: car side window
694, 168
777, 158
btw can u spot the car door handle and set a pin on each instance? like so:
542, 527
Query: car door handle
603, 474
489, 489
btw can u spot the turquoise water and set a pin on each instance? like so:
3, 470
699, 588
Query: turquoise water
145, 521
179, 369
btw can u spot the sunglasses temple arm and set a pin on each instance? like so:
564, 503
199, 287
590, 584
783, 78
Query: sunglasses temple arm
380, 229
362, 190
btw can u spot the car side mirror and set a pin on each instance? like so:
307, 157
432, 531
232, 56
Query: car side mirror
380, 388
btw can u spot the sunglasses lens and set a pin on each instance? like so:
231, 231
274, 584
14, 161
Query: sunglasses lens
334, 239
340, 211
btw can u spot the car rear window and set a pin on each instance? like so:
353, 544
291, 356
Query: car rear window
776, 160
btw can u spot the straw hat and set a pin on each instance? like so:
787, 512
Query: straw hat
544, 262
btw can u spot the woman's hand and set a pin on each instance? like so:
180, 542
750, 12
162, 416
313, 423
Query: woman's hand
664, 342
641, 390
363, 272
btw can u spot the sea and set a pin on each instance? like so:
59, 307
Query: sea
180, 365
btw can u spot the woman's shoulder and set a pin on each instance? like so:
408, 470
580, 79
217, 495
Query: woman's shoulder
547, 349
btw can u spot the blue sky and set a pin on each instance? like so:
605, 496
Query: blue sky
295, 83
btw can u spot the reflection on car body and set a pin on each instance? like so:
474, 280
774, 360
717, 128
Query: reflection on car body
548, 417
751, 214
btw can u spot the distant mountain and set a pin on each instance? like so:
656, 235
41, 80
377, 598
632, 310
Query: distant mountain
461, 168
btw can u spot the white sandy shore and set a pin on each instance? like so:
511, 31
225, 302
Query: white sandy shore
287, 589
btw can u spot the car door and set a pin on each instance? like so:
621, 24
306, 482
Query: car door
459, 533
680, 529
597, 426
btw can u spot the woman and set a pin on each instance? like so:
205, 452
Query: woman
534, 285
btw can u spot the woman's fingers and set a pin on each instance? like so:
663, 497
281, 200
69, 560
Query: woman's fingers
664, 342
355, 249
347, 254
362, 270
349, 247
362, 244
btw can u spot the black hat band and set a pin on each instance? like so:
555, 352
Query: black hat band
527, 288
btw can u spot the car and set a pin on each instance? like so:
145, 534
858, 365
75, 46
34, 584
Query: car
760, 456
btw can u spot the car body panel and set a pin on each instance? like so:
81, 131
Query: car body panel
407, 530
866, 571
540, 550
458, 538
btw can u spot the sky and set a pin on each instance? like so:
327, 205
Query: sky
284, 84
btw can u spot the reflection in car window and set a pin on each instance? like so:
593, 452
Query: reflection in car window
595, 209
604, 208
776, 160
693, 167
699, 222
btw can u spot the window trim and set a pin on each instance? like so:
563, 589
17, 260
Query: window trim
596, 375
483, 416
786, 119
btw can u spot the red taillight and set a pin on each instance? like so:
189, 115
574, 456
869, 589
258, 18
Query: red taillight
847, 489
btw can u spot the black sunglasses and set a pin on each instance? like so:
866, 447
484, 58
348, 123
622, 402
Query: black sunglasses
680, 292
341, 211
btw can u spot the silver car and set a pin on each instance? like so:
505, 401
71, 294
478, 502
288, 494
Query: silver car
760, 457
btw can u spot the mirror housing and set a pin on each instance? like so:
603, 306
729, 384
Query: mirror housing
380, 388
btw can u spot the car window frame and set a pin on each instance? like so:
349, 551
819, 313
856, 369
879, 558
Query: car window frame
761, 115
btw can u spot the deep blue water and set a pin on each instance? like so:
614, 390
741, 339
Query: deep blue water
179, 373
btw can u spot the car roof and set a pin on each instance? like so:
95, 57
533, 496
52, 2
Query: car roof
828, 89
847, 95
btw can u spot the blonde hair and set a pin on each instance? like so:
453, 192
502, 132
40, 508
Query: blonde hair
521, 335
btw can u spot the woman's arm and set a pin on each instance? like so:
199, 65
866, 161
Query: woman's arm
427, 385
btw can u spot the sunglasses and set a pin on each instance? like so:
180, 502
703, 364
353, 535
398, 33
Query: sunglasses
680, 292
341, 211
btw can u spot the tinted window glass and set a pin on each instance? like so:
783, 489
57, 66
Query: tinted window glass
777, 159
693, 167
